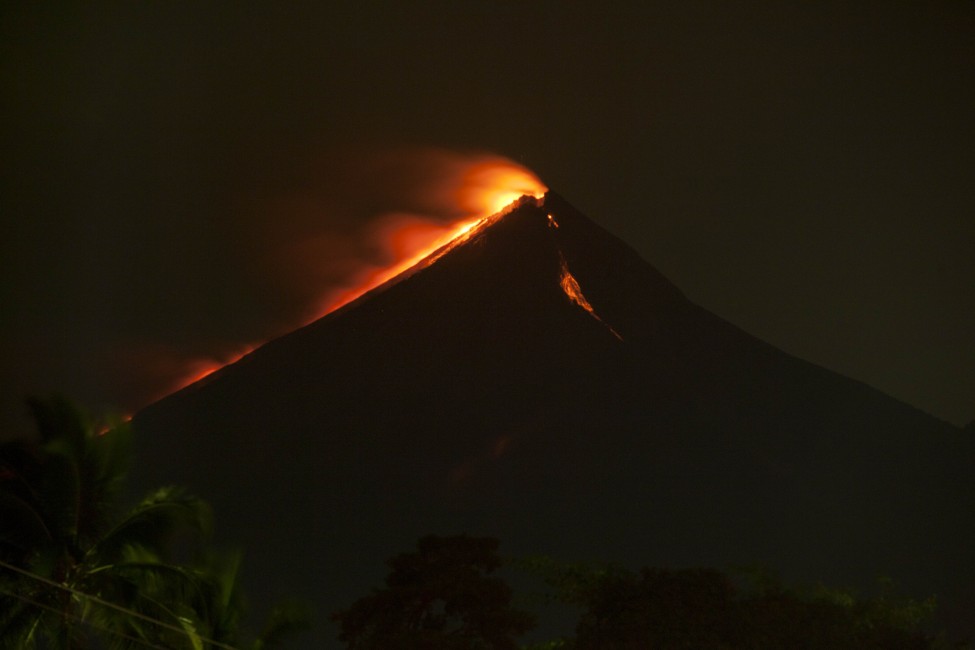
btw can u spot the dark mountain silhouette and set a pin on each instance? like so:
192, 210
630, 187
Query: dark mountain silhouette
474, 394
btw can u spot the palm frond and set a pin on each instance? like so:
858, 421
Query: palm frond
17, 616
225, 606
84, 467
97, 579
60, 496
59, 423
103, 468
285, 620
153, 522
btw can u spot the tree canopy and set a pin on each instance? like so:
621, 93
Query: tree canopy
76, 571
441, 597
707, 609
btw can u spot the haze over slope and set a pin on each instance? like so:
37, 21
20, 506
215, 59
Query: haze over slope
539, 382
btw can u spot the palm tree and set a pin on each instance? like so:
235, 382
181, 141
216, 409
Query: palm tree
74, 574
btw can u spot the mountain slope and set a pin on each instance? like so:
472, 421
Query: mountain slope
541, 383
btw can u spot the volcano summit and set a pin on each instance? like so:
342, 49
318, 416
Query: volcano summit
537, 381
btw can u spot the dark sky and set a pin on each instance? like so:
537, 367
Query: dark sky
803, 169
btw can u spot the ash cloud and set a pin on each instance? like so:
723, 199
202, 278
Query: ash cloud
343, 221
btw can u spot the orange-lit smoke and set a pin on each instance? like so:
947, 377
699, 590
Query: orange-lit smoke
406, 240
429, 198
199, 369
472, 187
488, 187
149, 372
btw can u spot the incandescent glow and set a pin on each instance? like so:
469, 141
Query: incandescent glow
484, 187
200, 369
488, 187
413, 248
473, 187
572, 289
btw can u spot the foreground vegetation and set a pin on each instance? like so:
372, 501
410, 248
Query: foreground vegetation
76, 571
79, 572
709, 609
447, 595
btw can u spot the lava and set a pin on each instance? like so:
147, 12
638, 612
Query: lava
200, 369
411, 245
475, 188
483, 188
488, 187
572, 289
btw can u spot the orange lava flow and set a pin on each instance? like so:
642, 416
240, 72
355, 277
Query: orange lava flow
202, 368
485, 188
572, 289
411, 254
481, 189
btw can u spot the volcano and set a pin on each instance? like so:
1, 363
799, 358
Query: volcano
537, 381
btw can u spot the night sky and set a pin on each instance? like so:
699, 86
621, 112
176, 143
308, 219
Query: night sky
182, 180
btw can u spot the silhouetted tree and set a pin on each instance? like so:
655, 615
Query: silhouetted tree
704, 609
440, 597
659, 609
63, 548
74, 573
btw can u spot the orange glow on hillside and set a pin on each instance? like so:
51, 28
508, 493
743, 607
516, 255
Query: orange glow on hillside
572, 289
475, 188
484, 188
410, 246
200, 369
